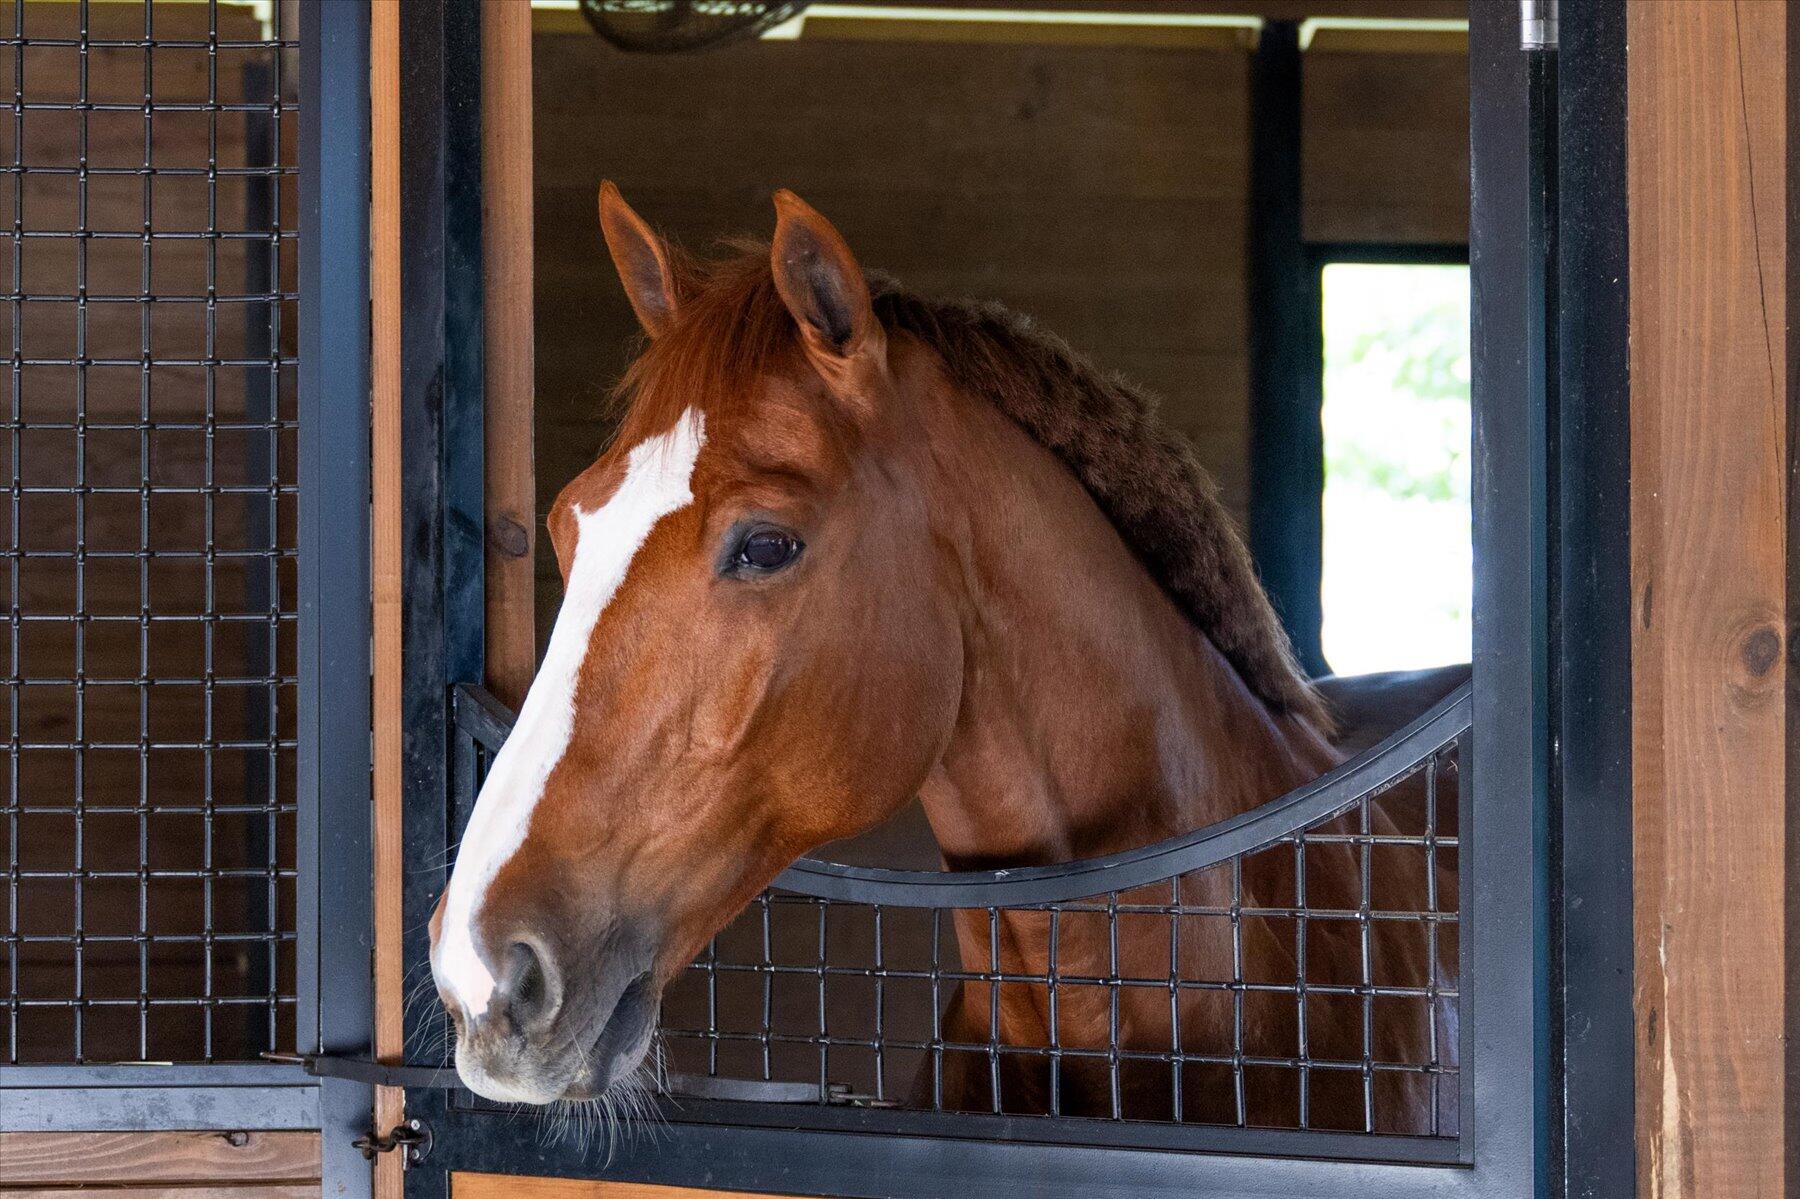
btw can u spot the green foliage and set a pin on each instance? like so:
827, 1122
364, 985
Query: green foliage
1396, 419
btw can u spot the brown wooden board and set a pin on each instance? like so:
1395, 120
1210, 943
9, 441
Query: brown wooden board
169, 1158
503, 1186
1102, 191
1385, 147
506, 214
387, 570
233, 1190
1710, 406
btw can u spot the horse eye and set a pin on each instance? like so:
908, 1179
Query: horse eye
768, 550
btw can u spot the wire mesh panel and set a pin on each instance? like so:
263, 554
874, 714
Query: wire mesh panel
1310, 983
148, 809
1296, 968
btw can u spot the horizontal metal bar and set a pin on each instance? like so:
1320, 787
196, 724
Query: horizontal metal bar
1067, 1130
380, 1074
444, 1078
151, 1096
749, 1147
152, 1074
159, 1109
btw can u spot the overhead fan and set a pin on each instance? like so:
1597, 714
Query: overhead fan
680, 26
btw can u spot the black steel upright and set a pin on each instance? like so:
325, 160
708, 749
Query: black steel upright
1287, 441
336, 860
1595, 1151
1506, 909
441, 433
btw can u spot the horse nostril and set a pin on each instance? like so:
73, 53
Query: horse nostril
529, 988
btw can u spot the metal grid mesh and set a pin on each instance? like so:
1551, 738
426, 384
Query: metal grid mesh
148, 812
1310, 984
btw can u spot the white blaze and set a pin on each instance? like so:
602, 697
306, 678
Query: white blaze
657, 482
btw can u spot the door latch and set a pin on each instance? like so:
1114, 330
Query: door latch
413, 1138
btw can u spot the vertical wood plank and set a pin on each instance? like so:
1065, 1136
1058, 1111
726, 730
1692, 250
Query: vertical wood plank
1707, 164
386, 573
506, 234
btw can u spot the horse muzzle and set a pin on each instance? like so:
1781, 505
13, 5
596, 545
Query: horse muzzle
542, 1038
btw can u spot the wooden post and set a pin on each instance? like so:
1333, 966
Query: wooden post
506, 244
387, 566
1709, 502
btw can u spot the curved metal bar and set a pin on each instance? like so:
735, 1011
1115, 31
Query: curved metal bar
482, 716
1370, 772
1367, 773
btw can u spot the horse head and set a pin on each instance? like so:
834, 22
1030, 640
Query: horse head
756, 653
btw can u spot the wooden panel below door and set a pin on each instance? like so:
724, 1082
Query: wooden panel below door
252, 1190
505, 1186
265, 1164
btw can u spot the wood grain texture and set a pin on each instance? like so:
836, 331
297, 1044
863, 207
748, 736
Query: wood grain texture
1104, 192
499, 1186
1385, 147
141, 1158
1707, 164
386, 586
506, 224
233, 1190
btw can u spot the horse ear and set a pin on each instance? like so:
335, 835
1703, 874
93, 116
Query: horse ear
642, 260
821, 284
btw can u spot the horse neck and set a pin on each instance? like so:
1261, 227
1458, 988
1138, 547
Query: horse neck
1095, 716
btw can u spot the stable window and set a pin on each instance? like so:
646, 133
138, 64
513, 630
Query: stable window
1395, 419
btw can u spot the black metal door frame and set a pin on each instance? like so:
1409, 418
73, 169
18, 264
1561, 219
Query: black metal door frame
1545, 1112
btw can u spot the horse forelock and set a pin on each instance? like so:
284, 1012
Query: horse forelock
657, 481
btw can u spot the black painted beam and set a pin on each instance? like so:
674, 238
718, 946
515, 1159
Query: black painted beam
1287, 443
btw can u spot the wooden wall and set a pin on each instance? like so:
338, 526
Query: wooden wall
1711, 396
1104, 190
1385, 147
1012, 172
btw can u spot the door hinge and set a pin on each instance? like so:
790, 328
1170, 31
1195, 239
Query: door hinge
1537, 24
412, 1138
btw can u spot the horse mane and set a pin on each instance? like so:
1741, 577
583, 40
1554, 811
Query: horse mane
1144, 475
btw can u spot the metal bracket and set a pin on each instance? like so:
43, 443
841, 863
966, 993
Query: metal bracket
377, 1074
413, 1137
680, 1086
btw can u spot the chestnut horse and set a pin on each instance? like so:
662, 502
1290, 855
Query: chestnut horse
851, 546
